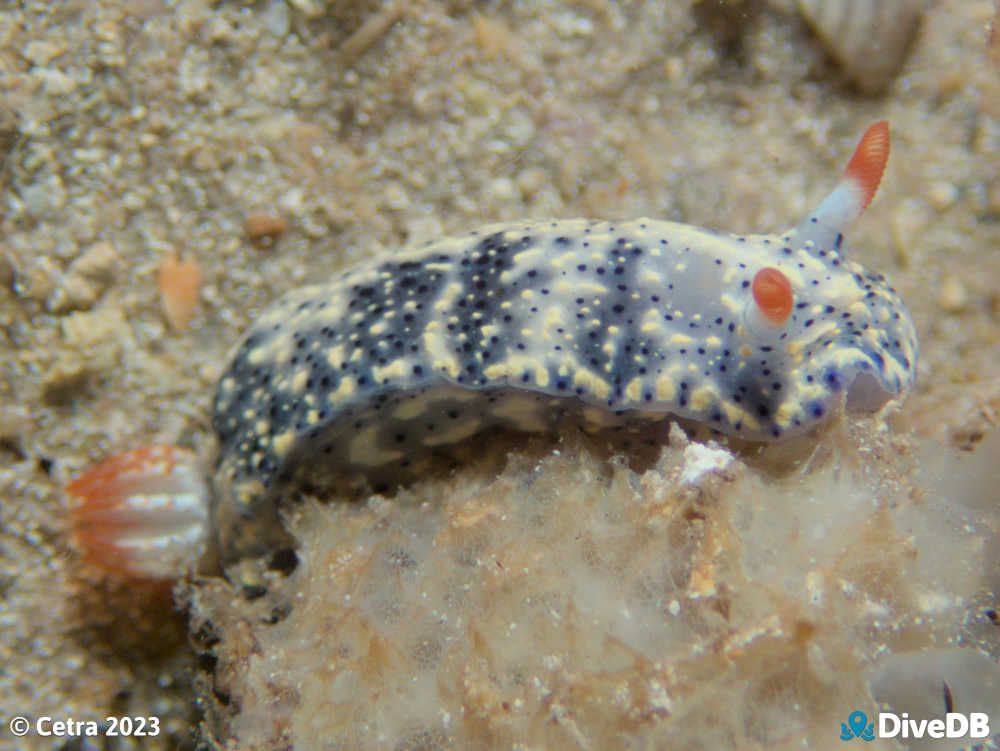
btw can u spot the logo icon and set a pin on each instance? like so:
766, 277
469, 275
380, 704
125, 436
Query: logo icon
857, 727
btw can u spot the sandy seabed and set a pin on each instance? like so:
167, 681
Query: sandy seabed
561, 597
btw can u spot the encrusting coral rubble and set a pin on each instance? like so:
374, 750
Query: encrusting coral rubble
572, 601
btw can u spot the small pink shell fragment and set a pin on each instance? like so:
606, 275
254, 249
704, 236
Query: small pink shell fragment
180, 283
143, 514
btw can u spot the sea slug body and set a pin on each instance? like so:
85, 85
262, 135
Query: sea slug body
760, 336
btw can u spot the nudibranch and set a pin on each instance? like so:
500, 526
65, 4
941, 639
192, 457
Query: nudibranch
515, 325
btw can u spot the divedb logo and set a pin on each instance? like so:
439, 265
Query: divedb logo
974, 726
